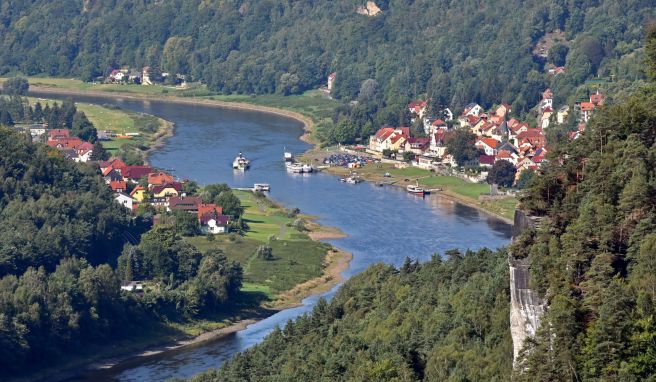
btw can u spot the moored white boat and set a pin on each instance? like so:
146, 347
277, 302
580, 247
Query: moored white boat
262, 187
296, 168
415, 189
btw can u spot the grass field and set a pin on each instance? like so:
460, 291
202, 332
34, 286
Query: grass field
312, 103
296, 258
466, 191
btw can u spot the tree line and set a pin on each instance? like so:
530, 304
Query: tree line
65, 248
451, 53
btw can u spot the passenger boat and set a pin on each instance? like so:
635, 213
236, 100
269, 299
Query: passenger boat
416, 190
262, 187
295, 168
241, 163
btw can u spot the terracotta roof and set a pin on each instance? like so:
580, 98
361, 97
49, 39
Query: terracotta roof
84, 147
65, 143
587, 106
384, 132
117, 185
438, 122
405, 131
118, 164
159, 178
136, 189
208, 208
490, 142
107, 170
54, 133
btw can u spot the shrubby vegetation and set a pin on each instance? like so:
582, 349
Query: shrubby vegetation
438, 321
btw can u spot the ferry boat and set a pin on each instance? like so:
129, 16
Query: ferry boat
241, 163
262, 187
416, 190
295, 168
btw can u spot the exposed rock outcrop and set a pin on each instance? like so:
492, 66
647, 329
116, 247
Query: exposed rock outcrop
526, 306
371, 9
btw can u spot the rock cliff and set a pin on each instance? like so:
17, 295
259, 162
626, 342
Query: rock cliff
526, 306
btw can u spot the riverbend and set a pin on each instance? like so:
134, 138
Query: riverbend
383, 224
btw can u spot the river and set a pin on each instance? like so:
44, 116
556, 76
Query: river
383, 224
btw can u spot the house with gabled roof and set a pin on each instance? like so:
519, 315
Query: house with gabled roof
213, 223
118, 186
488, 145
417, 145
418, 108
437, 146
124, 200
139, 193
167, 190
389, 138
472, 109
184, 203
134, 173
159, 178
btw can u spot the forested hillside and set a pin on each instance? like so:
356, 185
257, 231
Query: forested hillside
51, 209
594, 255
592, 259
452, 52
439, 321
62, 260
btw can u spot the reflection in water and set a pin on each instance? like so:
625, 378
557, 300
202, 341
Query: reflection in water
384, 224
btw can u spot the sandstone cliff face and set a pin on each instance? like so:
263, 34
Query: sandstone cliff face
526, 306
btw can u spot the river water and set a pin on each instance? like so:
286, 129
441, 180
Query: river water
384, 224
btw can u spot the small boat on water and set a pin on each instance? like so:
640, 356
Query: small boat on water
241, 163
416, 190
307, 168
352, 180
262, 187
295, 168
288, 157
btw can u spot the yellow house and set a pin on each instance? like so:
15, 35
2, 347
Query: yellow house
139, 194
167, 190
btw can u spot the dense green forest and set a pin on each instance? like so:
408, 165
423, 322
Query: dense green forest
443, 320
452, 52
592, 258
62, 260
594, 254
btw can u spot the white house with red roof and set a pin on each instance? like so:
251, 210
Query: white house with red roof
389, 138
418, 108
488, 145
